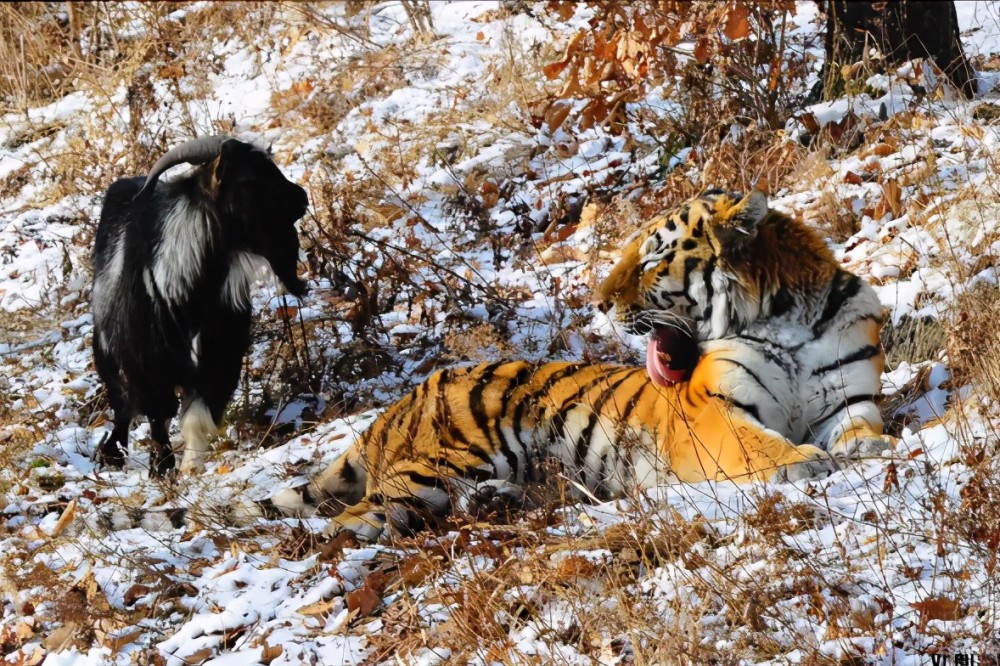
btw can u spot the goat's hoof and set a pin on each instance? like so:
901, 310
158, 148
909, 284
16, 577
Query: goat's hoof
162, 466
114, 460
110, 453
816, 463
192, 467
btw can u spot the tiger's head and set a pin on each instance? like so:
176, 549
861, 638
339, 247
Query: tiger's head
708, 269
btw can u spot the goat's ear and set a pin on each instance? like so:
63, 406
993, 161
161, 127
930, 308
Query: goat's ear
226, 159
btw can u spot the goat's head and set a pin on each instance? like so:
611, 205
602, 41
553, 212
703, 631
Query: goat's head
259, 207
256, 205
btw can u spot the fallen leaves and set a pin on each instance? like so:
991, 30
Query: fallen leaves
737, 22
136, 592
937, 608
65, 519
363, 601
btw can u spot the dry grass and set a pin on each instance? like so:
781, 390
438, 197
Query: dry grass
520, 577
972, 341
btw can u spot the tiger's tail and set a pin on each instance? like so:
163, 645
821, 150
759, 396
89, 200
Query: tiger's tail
342, 484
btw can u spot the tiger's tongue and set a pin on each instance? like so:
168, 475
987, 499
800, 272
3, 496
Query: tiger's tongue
663, 346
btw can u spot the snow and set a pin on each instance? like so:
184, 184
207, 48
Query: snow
200, 573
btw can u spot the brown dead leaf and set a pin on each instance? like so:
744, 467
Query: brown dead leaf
303, 87
269, 653
332, 549
937, 608
320, 608
575, 566
135, 593
67, 516
199, 656
363, 601
94, 594
172, 71
414, 570
883, 149
737, 22
480, 36
554, 69
116, 642
702, 51
845, 133
892, 194
566, 9
489, 192
852, 178
556, 115
891, 479
60, 637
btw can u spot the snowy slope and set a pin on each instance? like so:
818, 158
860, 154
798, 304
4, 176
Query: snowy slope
114, 567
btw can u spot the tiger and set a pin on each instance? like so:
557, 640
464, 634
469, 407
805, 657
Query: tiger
763, 362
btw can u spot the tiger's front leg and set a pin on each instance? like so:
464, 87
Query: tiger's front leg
408, 497
717, 442
725, 407
860, 436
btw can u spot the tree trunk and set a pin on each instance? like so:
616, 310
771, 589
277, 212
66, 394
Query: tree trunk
902, 31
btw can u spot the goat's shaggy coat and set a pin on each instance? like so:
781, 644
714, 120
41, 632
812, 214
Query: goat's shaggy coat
173, 266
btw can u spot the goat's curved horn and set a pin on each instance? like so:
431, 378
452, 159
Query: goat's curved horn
197, 151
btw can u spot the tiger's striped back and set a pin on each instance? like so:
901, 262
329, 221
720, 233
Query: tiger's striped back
786, 367
491, 428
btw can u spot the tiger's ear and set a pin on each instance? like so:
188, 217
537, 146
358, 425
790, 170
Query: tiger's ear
736, 225
750, 210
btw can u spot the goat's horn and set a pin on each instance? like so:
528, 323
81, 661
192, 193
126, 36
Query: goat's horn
197, 151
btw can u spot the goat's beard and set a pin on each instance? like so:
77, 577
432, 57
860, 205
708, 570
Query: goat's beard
295, 286
283, 255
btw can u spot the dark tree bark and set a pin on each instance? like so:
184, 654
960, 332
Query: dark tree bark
902, 31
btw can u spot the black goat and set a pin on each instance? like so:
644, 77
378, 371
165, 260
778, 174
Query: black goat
173, 265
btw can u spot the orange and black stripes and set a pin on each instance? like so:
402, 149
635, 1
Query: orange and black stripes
784, 347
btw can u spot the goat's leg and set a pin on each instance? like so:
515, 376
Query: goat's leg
161, 458
223, 343
114, 446
198, 427
160, 405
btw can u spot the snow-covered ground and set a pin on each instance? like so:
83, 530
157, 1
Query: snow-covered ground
105, 566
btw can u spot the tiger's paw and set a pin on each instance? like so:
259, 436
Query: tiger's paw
497, 499
856, 448
815, 464
368, 523
362, 531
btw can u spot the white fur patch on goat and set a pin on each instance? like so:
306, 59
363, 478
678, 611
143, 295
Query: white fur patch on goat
196, 349
108, 278
244, 268
177, 262
147, 280
197, 428
104, 296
